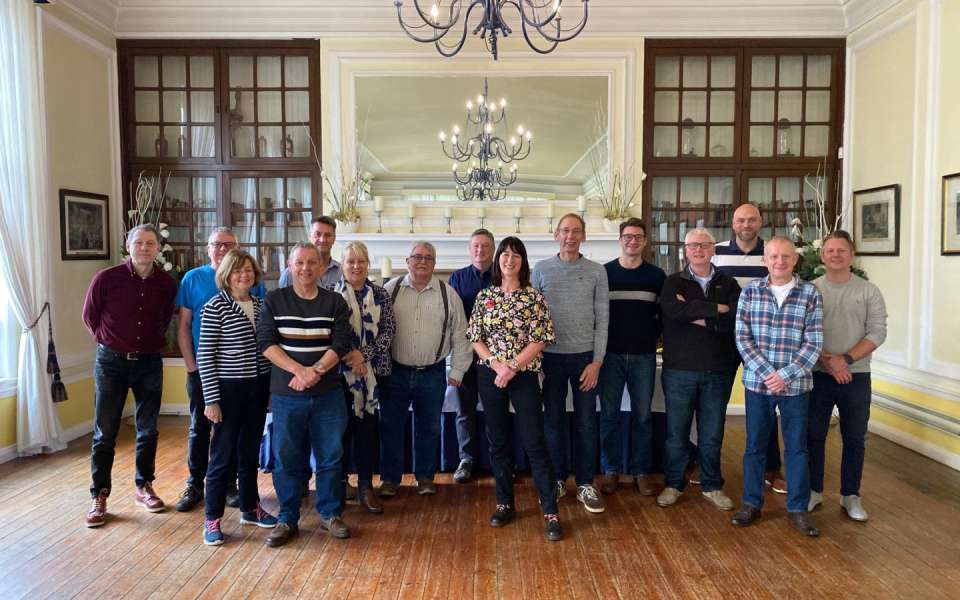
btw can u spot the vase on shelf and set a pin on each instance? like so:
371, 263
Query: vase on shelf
348, 226
611, 225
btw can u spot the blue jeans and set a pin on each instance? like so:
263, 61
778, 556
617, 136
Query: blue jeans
705, 393
302, 423
559, 370
761, 417
467, 415
424, 389
638, 372
853, 402
236, 441
113, 377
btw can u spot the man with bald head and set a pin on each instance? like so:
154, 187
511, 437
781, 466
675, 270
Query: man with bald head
779, 334
742, 259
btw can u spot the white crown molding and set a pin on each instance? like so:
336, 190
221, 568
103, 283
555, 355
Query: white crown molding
322, 18
101, 14
858, 13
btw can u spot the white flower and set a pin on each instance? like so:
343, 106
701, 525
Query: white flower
164, 233
167, 248
817, 244
167, 266
799, 250
131, 213
162, 225
796, 221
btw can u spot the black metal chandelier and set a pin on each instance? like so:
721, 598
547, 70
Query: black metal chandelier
481, 180
541, 16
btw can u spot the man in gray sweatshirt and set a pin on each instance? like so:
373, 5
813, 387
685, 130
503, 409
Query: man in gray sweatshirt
854, 325
578, 295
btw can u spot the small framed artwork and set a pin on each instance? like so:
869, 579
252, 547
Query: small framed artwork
84, 226
950, 229
876, 221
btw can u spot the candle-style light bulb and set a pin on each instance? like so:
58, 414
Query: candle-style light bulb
456, 130
488, 128
434, 13
520, 130
443, 136
469, 105
513, 141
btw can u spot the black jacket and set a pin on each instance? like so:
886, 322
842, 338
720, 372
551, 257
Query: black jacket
693, 347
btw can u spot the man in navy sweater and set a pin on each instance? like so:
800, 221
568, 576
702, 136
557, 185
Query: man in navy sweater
631, 359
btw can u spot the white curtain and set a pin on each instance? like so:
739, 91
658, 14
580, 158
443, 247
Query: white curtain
24, 200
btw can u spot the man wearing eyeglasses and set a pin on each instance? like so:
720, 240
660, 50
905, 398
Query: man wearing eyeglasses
700, 363
323, 234
631, 359
431, 325
577, 292
196, 288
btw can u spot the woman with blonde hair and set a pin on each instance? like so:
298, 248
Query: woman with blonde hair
236, 380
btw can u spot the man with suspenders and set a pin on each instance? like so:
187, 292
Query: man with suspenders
430, 326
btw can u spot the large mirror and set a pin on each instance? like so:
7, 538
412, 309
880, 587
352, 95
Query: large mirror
398, 119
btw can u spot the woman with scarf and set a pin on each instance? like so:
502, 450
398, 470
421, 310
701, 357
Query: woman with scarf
373, 325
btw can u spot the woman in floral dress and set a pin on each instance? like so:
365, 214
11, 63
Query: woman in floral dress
509, 327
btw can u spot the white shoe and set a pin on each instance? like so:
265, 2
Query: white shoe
854, 508
719, 499
816, 499
668, 497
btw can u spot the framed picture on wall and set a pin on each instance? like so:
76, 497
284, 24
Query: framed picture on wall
84, 226
950, 228
876, 221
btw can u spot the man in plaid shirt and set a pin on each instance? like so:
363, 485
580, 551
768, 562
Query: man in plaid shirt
779, 333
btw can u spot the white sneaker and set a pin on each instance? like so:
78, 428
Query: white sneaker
668, 497
719, 499
854, 508
816, 499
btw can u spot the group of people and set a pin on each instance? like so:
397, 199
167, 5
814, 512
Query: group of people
341, 362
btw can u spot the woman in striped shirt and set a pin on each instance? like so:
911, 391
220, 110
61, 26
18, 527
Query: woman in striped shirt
236, 381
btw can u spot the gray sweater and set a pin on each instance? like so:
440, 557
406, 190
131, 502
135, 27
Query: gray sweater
852, 311
578, 296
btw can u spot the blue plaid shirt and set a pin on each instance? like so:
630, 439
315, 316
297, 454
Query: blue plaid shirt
785, 340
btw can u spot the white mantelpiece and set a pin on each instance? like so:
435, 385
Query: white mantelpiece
452, 249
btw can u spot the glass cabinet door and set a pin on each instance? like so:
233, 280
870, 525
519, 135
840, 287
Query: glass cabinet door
174, 109
269, 106
792, 203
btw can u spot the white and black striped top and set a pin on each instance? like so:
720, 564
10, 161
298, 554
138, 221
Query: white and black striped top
228, 345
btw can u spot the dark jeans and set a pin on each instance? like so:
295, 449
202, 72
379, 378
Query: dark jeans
761, 416
243, 409
467, 415
424, 389
113, 377
523, 392
705, 393
302, 424
560, 370
853, 402
638, 373
360, 441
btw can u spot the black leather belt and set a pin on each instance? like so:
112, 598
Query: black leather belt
129, 355
424, 368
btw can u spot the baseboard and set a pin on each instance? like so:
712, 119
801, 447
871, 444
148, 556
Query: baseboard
182, 410
930, 450
736, 410
9, 453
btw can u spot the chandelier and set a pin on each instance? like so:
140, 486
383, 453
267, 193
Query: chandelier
481, 180
540, 16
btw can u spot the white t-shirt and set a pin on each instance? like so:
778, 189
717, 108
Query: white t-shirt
780, 292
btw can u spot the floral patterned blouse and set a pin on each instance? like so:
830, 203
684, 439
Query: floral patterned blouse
507, 322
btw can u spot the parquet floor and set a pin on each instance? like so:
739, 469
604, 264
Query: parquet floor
442, 547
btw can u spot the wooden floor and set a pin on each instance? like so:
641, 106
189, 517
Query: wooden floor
442, 547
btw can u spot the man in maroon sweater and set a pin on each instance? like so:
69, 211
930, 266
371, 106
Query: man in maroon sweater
127, 310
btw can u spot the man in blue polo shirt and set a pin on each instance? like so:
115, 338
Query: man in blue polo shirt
468, 282
196, 288
323, 234
742, 259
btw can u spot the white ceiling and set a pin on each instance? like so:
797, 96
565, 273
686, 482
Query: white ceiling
319, 18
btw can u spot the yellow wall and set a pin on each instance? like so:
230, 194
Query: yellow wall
78, 409
903, 134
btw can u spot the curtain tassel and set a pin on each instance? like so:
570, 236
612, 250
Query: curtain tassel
58, 390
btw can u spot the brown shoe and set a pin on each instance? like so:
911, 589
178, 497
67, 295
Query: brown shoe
776, 482
425, 487
336, 527
608, 483
747, 515
802, 523
369, 501
97, 515
646, 486
145, 497
281, 534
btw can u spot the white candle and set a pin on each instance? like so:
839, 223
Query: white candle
386, 268
581, 203
517, 212
448, 212
481, 212
378, 203
550, 209
411, 211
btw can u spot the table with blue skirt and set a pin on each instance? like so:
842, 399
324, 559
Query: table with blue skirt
449, 448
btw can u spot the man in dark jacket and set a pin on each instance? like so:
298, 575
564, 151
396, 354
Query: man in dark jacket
700, 361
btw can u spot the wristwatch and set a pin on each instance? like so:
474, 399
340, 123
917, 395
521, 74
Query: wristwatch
848, 359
